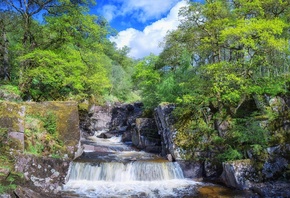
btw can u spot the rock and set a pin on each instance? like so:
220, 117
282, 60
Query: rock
222, 127
145, 135
24, 192
8, 95
238, 174
18, 137
5, 196
42, 174
191, 169
272, 189
13, 117
211, 170
124, 116
4, 173
276, 165
127, 136
165, 121
169, 157
94, 118
273, 169
277, 104
108, 134
100, 117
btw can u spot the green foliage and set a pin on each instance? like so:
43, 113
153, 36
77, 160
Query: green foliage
6, 162
229, 155
49, 123
225, 60
67, 56
41, 136
146, 77
10, 89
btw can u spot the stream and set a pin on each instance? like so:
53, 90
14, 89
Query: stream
111, 168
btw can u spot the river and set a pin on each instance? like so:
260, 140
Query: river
110, 168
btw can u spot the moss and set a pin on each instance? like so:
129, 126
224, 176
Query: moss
50, 128
10, 178
60, 124
11, 113
84, 106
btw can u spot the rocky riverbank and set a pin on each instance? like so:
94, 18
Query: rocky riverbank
43, 172
127, 121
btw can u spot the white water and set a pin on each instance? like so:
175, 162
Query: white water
119, 172
142, 175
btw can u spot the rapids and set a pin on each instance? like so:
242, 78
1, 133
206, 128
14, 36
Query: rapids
110, 168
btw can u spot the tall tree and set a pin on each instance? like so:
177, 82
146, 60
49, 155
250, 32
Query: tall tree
238, 53
70, 59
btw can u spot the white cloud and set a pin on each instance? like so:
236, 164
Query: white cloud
140, 10
142, 43
109, 12
144, 10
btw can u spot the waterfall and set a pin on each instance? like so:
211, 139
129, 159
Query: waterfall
113, 169
119, 172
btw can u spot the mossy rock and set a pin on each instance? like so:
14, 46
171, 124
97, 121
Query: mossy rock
64, 129
12, 116
67, 121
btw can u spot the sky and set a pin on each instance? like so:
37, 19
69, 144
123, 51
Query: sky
142, 24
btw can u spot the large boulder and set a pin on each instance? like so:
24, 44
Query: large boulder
45, 175
165, 124
124, 119
124, 116
145, 135
100, 117
94, 118
239, 174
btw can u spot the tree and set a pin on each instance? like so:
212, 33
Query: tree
69, 60
238, 53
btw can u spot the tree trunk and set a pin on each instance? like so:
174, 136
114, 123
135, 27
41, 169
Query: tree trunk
5, 57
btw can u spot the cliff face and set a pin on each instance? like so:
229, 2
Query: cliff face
45, 123
165, 121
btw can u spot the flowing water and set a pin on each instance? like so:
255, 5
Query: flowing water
110, 168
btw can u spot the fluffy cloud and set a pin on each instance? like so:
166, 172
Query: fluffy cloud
109, 12
142, 43
140, 10
144, 10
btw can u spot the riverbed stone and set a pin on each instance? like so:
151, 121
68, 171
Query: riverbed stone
191, 169
239, 174
272, 189
274, 168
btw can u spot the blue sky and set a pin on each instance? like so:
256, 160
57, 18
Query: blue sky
142, 24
